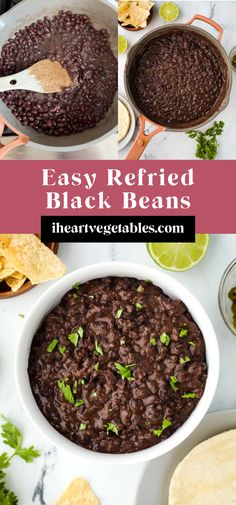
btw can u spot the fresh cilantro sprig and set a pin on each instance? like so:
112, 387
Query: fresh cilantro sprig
12, 437
125, 371
165, 424
207, 143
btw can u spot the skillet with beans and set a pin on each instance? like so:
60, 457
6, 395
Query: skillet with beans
117, 366
86, 54
178, 79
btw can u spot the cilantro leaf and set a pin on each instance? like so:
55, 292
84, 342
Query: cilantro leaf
189, 395
74, 337
119, 313
153, 341
27, 454
207, 143
184, 360
98, 349
173, 381
125, 371
66, 391
139, 306
111, 427
165, 424
165, 339
11, 435
52, 345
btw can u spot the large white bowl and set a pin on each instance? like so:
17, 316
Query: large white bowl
51, 298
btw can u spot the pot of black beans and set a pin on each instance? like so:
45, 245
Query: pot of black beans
82, 37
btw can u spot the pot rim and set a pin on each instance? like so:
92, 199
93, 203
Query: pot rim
133, 50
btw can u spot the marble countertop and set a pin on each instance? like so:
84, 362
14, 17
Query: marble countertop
176, 145
42, 483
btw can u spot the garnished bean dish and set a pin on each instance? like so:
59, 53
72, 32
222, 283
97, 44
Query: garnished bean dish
119, 367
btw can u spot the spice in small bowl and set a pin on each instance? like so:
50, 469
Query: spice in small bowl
232, 58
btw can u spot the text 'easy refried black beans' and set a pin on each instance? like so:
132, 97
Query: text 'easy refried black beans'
177, 78
117, 366
84, 52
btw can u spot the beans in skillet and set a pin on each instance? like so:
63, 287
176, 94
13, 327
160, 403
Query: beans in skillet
117, 366
86, 54
178, 78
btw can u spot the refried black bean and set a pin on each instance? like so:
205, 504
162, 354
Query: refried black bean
178, 78
132, 323
84, 52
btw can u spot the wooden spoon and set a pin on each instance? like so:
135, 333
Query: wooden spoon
46, 76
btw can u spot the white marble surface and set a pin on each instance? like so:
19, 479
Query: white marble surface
176, 145
41, 483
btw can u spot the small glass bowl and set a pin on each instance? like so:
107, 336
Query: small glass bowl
227, 282
231, 55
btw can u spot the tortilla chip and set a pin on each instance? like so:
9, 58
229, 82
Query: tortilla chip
137, 15
6, 268
29, 256
78, 493
146, 5
15, 284
123, 10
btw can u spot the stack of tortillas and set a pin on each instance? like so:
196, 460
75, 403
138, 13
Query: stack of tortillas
207, 475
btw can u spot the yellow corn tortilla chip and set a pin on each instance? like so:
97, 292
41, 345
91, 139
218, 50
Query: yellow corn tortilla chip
137, 15
29, 256
17, 275
6, 268
15, 284
146, 5
78, 493
123, 10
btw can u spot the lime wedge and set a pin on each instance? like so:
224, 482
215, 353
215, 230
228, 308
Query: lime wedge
122, 44
169, 11
178, 256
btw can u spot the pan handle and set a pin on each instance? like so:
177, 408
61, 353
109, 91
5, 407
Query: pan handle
209, 21
21, 139
142, 139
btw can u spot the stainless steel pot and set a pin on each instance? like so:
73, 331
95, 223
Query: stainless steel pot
143, 139
103, 13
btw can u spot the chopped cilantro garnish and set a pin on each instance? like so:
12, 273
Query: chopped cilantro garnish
77, 285
140, 289
111, 427
61, 349
119, 313
98, 349
191, 343
94, 394
147, 281
83, 426
139, 306
75, 296
183, 332
66, 391
165, 424
153, 341
96, 366
78, 403
52, 345
21, 315
125, 371
75, 385
189, 395
82, 381
74, 337
165, 339
184, 360
173, 381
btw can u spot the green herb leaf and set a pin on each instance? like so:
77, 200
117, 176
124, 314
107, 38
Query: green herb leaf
78, 403
96, 366
125, 371
183, 332
77, 285
75, 385
139, 306
75, 296
94, 394
61, 349
74, 337
111, 427
207, 143
98, 349
21, 315
165, 424
11, 435
173, 381
80, 331
83, 426
27, 454
184, 360
153, 341
191, 343
140, 289
66, 391
82, 381
119, 313
189, 395
52, 345
165, 339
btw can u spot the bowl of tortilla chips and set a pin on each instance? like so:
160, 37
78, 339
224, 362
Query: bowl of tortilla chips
134, 15
25, 262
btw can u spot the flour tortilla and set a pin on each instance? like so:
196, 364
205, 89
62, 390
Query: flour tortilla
207, 475
123, 121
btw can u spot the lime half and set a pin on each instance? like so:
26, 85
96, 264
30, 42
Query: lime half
169, 11
178, 256
122, 44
